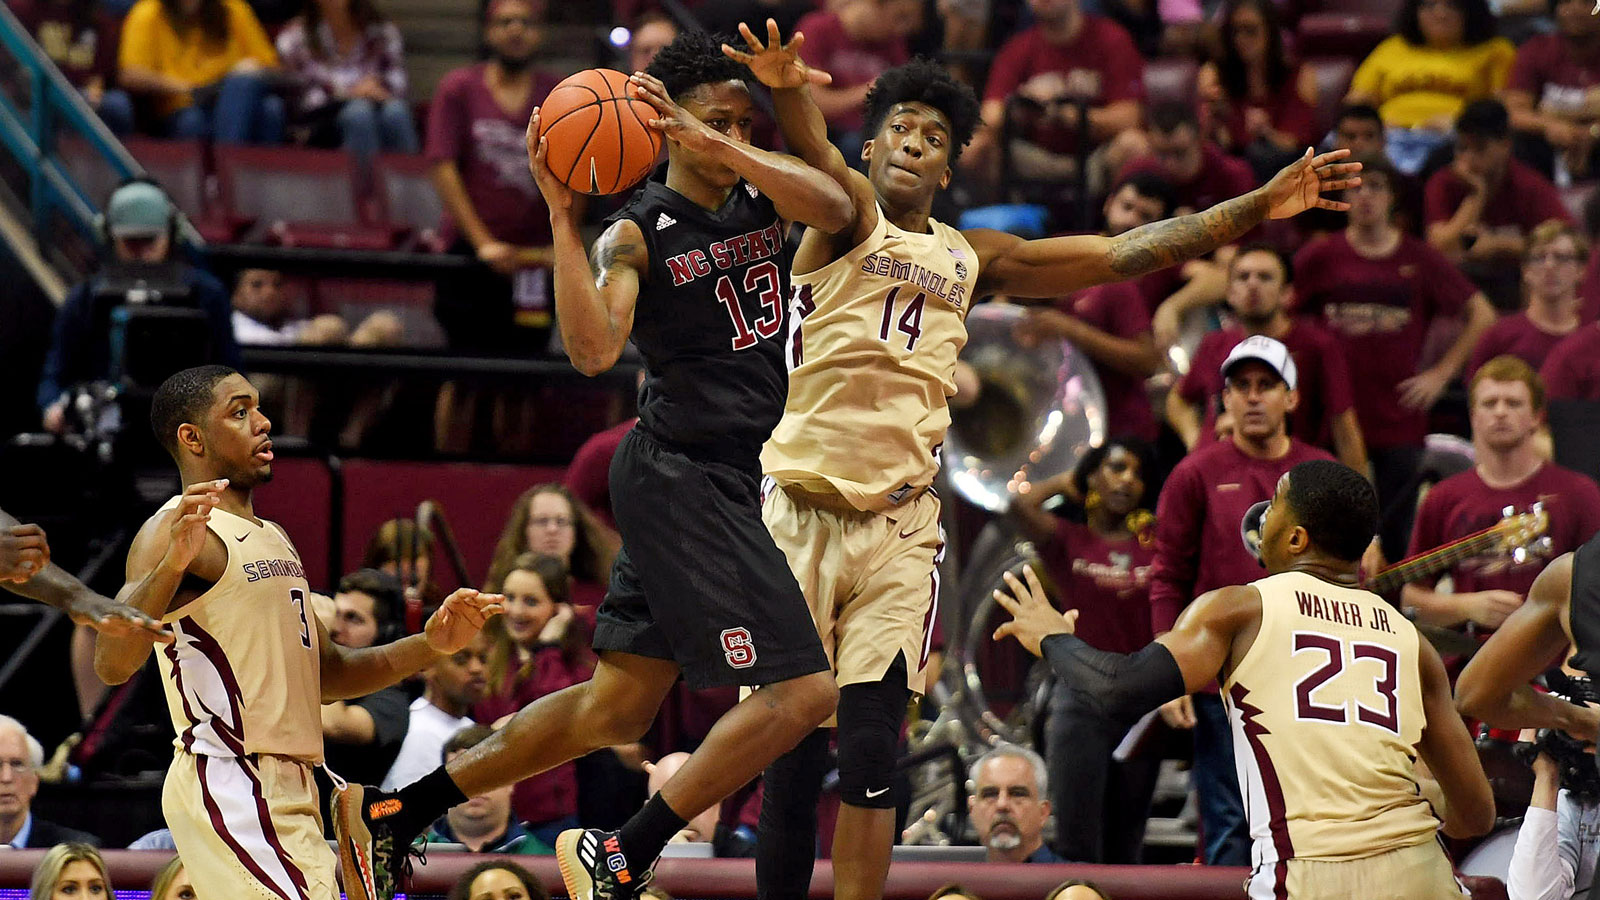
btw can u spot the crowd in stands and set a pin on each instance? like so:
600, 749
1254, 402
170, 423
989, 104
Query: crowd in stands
1465, 267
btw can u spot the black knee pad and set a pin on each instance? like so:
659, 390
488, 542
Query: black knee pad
870, 716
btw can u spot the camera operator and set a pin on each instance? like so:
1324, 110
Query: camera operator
140, 226
1554, 858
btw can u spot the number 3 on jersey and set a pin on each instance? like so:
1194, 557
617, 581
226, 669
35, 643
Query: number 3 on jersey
762, 280
298, 598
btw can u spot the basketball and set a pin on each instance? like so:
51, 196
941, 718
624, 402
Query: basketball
599, 140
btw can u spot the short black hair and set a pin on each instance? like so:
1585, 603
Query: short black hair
1485, 119
923, 80
1284, 260
1150, 184
388, 599
183, 398
1170, 115
1336, 505
1479, 25
695, 58
1362, 111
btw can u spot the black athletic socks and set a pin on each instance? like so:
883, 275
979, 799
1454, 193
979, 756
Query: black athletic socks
420, 803
644, 836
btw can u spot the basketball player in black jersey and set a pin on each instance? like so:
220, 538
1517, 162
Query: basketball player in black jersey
695, 270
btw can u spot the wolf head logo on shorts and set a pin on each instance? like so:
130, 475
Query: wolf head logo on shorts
738, 648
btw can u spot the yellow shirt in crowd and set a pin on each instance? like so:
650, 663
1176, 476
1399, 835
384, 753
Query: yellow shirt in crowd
1414, 84
150, 42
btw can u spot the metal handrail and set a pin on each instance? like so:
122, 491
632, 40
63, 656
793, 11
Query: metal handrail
431, 519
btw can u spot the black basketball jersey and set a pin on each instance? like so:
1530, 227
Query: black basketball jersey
1585, 607
710, 321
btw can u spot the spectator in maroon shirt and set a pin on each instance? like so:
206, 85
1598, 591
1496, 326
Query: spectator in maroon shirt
1507, 403
855, 41
589, 475
536, 649
1551, 272
1198, 549
1480, 208
1099, 561
548, 519
1572, 370
1553, 92
1068, 55
1255, 102
1259, 286
82, 40
1110, 322
1202, 175
1379, 291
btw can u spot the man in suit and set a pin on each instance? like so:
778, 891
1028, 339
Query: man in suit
20, 760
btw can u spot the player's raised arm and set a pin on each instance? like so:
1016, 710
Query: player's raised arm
171, 548
356, 672
1050, 267
25, 563
1467, 808
1494, 686
594, 307
800, 192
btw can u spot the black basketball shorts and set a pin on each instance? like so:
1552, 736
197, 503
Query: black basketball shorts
699, 580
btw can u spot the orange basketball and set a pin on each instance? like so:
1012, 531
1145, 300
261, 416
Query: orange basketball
599, 142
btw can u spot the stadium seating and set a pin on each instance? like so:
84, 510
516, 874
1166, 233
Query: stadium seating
301, 197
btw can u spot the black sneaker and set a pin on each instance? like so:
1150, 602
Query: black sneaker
594, 867
388, 861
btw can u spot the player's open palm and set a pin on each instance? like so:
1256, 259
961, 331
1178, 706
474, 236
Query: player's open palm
1032, 617
189, 528
774, 63
115, 619
673, 121
1300, 185
460, 618
556, 194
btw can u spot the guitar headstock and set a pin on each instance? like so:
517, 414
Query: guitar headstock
1521, 533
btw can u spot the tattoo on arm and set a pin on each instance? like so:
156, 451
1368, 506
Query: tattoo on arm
607, 260
1171, 241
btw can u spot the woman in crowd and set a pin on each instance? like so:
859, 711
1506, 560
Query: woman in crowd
1443, 55
71, 872
498, 879
172, 882
1100, 563
536, 650
207, 65
1254, 101
548, 519
405, 551
347, 62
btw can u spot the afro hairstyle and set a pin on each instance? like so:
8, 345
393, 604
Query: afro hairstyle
695, 58
923, 80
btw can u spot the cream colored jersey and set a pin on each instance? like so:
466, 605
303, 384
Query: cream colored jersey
243, 675
1326, 709
873, 340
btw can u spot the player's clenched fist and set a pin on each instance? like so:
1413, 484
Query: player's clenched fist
460, 619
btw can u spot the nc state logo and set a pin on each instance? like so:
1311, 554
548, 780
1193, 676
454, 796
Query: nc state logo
738, 648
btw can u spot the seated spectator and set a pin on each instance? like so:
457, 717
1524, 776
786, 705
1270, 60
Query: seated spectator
700, 829
1551, 272
1065, 57
1259, 290
140, 223
21, 758
450, 688
172, 882
1008, 805
652, 31
1255, 102
362, 736
1359, 129
347, 62
1444, 55
1553, 92
1572, 370
1379, 291
1480, 208
547, 519
1560, 834
1099, 561
1077, 890
535, 650
1202, 175
855, 41
401, 549
71, 870
81, 39
206, 67
499, 880
954, 891
483, 824
589, 475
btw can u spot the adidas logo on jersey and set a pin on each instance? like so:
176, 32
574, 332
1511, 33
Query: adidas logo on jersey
752, 189
664, 222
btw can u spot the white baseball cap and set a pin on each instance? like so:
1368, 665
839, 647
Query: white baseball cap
1261, 348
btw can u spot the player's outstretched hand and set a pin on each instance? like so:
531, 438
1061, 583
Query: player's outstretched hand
117, 620
188, 534
556, 194
674, 121
776, 64
460, 618
24, 552
1032, 617
1302, 183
